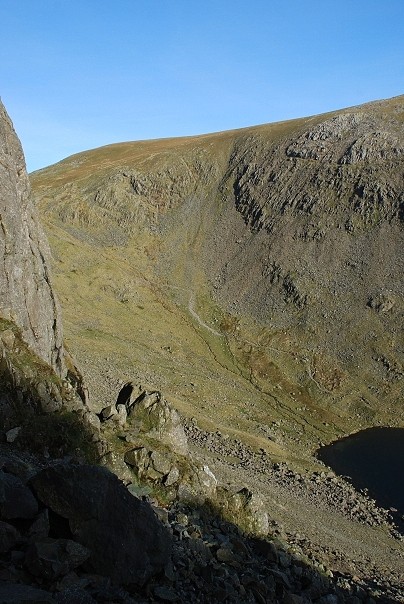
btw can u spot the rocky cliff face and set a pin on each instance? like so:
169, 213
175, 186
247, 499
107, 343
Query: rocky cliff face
26, 295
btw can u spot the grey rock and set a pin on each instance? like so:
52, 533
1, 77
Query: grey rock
16, 499
138, 458
121, 415
251, 506
53, 558
156, 418
224, 554
160, 463
127, 542
12, 435
117, 465
172, 477
8, 537
108, 412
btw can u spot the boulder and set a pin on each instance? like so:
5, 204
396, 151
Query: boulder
50, 559
126, 540
250, 507
16, 499
8, 537
153, 416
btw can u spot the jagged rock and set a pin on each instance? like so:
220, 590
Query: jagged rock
8, 537
50, 398
138, 458
153, 416
121, 415
249, 509
16, 499
108, 412
126, 540
198, 487
160, 463
27, 297
116, 464
172, 477
53, 558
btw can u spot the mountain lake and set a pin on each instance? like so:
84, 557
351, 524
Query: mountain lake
374, 460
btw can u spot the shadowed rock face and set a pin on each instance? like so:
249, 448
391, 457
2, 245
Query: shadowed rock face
126, 540
26, 295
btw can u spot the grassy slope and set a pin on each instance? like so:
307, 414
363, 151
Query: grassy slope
127, 318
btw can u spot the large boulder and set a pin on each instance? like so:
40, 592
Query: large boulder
16, 499
127, 541
151, 415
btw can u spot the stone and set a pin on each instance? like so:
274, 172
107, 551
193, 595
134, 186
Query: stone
165, 593
160, 462
117, 465
250, 507
50, 559
48, 400
9, 536
12, 435
127, 542
138, 458
224, 554
120, 416
39, 529
16, 499
7, 337
108, 412
18, 467
172, 477
158, 420
13, 593
92, 422
208, 481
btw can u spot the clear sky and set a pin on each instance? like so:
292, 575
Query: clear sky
78, 74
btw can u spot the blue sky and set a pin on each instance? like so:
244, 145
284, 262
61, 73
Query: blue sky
78, 74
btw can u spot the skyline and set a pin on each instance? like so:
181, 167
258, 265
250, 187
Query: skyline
80, 75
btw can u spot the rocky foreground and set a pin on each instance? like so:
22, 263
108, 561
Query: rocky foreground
73, 533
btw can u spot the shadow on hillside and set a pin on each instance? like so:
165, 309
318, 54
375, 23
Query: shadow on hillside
221, 563
212, 561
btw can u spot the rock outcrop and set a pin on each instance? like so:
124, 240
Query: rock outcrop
26, 294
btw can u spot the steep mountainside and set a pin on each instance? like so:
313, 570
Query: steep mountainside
255, 278
253, 274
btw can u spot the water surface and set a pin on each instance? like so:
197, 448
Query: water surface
373, 459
